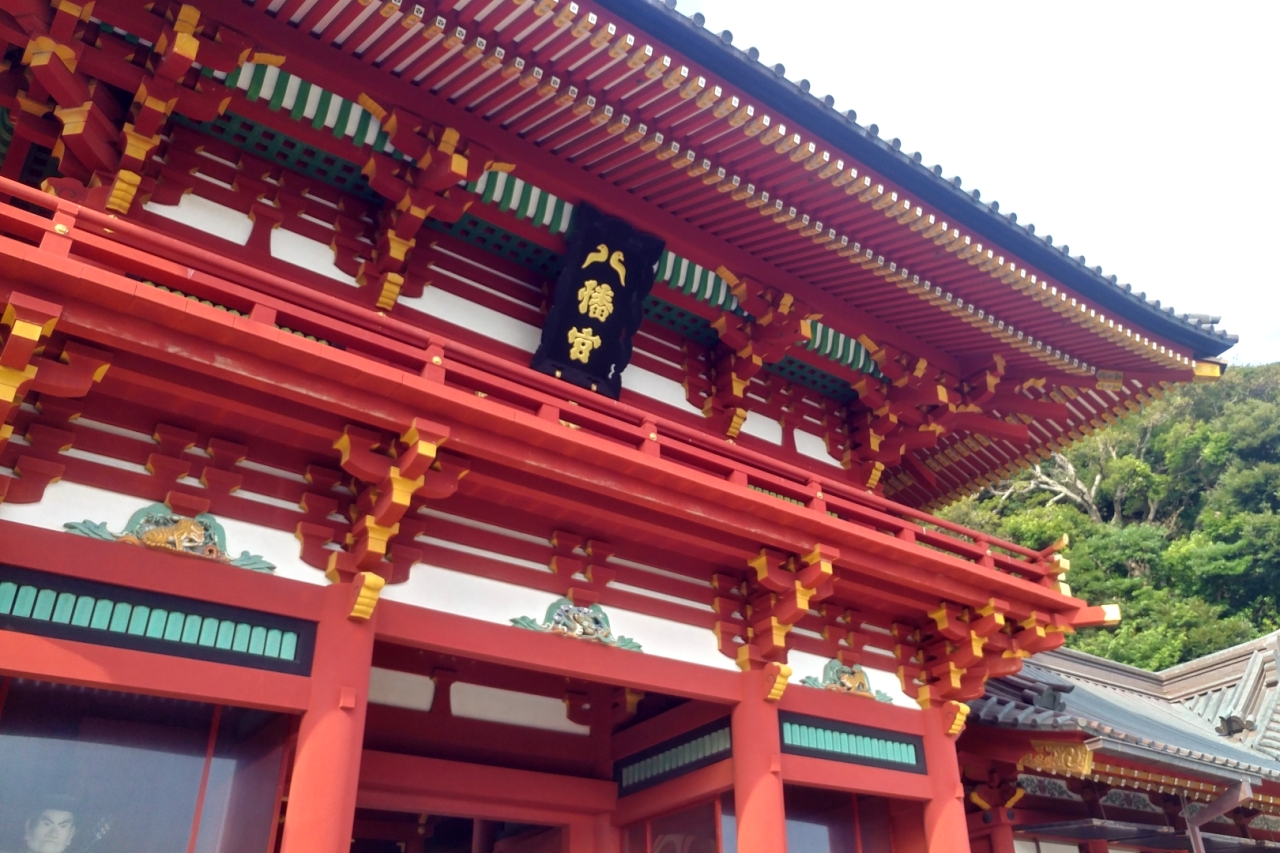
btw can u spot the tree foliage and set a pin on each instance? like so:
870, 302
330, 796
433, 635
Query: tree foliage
1173, 513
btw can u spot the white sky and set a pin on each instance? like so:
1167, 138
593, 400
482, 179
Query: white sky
1141, 134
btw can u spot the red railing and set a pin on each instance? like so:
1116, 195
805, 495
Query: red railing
102, 240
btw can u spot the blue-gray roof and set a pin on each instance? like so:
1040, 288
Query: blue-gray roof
1039, 699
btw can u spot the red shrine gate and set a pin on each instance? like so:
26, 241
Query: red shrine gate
296, 546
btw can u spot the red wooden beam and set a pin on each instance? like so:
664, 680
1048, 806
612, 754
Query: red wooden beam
472, 638
831, 705
657, 729
105, 667
253, 355
406, 783
856, 778
143, 568
701, 785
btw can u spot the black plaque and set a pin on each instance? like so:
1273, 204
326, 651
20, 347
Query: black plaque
598, 302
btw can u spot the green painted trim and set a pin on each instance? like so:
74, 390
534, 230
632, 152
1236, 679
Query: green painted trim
854, 744
256, 81
344, 116
26, 601
322, 110
277, 94
6, 134
706, 746
300, 101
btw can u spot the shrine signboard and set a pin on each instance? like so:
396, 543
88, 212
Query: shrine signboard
598, 302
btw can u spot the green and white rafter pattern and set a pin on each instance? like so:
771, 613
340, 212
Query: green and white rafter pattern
513, 195
303, 101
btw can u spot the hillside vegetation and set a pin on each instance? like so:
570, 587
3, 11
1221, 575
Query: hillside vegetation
1173, 513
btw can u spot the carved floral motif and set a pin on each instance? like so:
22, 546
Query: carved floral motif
846, 679
1064, 757
583, 623
1041, 786
159, 527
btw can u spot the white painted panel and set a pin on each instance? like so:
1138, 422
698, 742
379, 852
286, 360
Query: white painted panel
468, 595
656, 387
309, 254
498, 602
889, 683
1024, 845
1058, 847
804, 665
763, 428
478, 318
65, 501
813, 446
667, 639
207, 216
476, 702
276, 546
401, 689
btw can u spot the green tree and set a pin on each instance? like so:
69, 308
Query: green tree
1173, 513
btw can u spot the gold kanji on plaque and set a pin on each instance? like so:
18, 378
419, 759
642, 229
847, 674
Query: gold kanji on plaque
617, 260
581, 344
595, 300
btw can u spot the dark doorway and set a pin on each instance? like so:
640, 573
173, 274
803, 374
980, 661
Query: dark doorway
401, 832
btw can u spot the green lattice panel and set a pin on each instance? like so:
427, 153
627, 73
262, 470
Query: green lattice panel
683, 323
38, 166
276, 147
6, 134
811, 377
675, 757
503, 243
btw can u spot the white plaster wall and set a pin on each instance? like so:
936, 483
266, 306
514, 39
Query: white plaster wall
667, 639
401, 689
494, 705
498, 602
468, 595
762, 427
309, 254
813, 446
478, 318
65, 501
804, 665
657, 387
207, 216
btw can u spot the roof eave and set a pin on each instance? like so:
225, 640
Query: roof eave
756, 80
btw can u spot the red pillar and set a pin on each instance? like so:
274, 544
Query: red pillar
757, 770
1002, 839
326, 770
595, 834
945, 827
991, 831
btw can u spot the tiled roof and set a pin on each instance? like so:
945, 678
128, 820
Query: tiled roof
1042, 699
716, 52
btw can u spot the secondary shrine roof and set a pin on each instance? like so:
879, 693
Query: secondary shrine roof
1042, 699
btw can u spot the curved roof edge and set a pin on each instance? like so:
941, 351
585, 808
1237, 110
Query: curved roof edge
718, 57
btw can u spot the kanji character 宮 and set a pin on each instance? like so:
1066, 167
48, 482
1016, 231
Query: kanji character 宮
581, 343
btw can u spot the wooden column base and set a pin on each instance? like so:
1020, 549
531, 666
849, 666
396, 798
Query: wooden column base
326, 772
